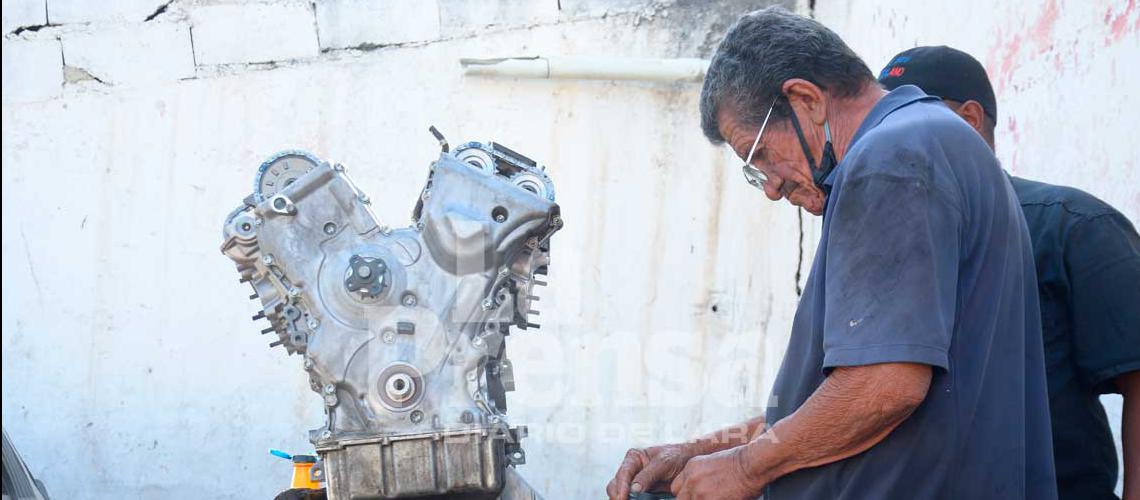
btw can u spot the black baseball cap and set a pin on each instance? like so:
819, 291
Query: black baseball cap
944, 72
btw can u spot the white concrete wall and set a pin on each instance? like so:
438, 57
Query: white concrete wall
1064, 72
130, 366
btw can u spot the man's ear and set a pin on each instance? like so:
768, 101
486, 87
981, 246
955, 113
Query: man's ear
973, 113
806, 99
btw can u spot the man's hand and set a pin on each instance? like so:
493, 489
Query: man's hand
721, 475
646, 469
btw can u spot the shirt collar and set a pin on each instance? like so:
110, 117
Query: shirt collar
893, 101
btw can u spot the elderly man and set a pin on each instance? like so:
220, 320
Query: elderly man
1088, 278
914, 368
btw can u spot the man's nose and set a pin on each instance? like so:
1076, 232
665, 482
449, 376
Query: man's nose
773, 189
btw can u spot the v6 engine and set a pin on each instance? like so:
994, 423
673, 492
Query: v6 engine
402, 330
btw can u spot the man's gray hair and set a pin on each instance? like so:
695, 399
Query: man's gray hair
761, 51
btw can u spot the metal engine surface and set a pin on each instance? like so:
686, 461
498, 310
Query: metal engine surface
402, 330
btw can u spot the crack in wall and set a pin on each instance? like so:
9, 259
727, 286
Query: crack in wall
316, 24
76, 74
157, 12
490, 30
193, 53
30, 29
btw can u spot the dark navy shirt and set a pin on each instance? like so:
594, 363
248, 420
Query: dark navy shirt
925, 258
1088, 276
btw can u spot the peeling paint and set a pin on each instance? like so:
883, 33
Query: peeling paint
74, 74
1117, 23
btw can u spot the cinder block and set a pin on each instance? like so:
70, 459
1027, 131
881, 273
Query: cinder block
32, 70
355, 23
469, 16
139, 53
577, 8
84, 11
19, 13
252, 33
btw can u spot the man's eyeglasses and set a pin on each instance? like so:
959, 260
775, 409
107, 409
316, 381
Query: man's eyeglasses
753, 175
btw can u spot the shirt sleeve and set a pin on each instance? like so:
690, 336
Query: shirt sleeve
1102, 259
891, 271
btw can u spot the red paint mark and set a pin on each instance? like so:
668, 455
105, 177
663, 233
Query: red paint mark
1036, 40
1118, 26
1015, 139
1042, 33
1001, 60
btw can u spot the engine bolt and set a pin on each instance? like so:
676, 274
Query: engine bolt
330, 389
388, 336
487, 304
410, 300
417, 416
294, 292
313, 322
267, 259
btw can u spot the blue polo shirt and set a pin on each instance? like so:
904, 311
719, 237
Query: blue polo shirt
925, 258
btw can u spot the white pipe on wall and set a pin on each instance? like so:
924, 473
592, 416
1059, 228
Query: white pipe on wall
588, 68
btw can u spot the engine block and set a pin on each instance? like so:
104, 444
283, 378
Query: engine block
402, 330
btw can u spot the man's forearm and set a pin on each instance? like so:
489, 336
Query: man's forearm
729, 437
851, 411
1129, 385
